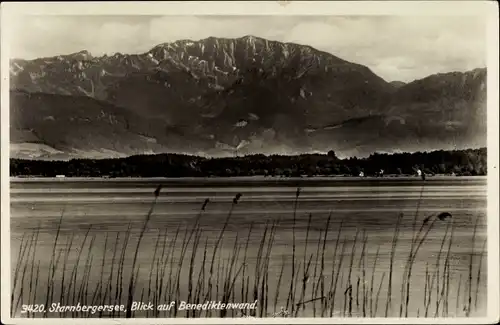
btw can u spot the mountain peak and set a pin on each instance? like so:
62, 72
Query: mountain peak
250, 37
191, 95
83, 55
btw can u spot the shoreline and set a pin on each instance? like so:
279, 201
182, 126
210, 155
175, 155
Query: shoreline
256, 181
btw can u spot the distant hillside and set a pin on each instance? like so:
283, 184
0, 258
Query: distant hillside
219, 96
397, 84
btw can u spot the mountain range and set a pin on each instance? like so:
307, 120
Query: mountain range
221, 96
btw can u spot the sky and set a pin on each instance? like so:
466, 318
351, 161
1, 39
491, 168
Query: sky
394, 47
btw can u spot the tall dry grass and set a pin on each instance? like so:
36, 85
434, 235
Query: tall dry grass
314, 280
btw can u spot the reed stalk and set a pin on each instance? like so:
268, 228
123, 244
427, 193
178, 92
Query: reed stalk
471, 263
290, 299
391, 264
478, 278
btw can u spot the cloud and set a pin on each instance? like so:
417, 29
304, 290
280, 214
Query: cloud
396, 48
401, 48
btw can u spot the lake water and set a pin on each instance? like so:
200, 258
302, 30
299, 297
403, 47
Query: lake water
347, 272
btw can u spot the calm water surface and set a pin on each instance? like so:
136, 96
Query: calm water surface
358, 211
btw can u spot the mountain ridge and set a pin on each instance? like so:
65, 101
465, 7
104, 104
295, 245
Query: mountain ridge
249, 94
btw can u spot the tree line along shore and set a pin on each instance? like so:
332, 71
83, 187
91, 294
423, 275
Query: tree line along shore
469, 162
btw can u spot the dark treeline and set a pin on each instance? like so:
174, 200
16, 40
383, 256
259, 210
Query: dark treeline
459, 162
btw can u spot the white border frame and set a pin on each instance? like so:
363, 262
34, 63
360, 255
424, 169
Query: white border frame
488, 9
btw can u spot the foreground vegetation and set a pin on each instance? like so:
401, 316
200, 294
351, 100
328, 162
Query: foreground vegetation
186, 267
460, 162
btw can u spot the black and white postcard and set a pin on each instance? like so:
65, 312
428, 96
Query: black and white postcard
250, 162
